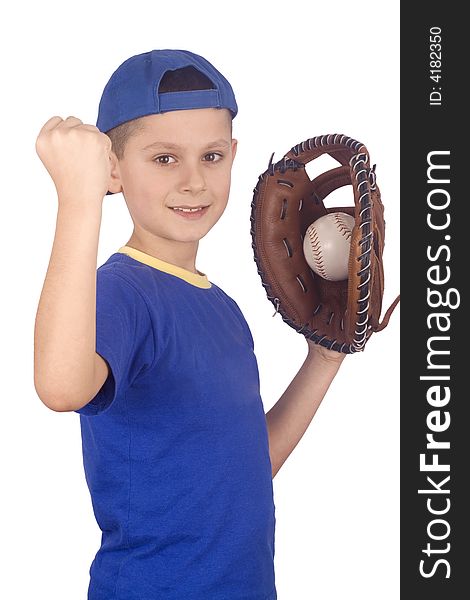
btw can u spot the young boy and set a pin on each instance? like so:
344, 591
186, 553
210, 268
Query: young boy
158, 361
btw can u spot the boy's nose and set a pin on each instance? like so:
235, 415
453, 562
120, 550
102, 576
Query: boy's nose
193, 179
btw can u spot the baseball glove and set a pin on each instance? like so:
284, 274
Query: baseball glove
340, 315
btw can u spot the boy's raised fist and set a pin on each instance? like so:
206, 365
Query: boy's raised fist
77, 157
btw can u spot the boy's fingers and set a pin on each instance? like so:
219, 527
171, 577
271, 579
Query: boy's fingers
57, 121
70, 121
50, 124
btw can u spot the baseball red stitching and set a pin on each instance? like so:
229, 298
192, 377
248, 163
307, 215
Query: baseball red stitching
343, 227
312, 234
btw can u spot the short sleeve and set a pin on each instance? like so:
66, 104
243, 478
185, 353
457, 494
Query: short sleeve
124, 337
241, 317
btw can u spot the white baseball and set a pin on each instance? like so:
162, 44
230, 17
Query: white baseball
327, 244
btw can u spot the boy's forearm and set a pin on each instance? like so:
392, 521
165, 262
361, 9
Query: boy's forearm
290, 417
65, 327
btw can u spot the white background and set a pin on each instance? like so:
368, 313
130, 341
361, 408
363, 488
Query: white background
298, 70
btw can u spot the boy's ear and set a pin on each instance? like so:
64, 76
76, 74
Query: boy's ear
114, 184
234, 148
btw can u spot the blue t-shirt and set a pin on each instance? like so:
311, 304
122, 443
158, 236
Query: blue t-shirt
175, 444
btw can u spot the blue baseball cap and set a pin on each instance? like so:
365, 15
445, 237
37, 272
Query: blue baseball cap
132, 90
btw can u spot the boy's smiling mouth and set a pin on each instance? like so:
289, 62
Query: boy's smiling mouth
189, 212
186, 207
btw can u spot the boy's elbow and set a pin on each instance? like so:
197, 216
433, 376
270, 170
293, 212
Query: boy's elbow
54, 400
58, 398
56, 407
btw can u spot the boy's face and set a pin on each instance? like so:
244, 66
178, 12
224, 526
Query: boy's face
190, 166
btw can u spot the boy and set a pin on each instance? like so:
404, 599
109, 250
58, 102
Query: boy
157, 360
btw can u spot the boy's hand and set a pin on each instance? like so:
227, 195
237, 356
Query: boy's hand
76, 156
316, 350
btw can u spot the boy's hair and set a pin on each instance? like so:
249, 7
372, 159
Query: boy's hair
179, 80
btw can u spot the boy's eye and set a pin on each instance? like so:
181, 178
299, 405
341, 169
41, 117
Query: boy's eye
159, 160
214, 154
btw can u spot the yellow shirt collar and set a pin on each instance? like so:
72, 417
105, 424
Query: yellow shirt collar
198, 279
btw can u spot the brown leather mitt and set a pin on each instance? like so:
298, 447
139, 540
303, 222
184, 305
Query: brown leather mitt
340, 315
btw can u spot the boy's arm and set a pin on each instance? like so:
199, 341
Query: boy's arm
67, 370
289, 418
